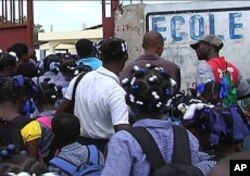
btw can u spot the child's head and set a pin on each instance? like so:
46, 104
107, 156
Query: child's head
113, 49
85, 48
21, 50
66, 128
48, 94
12, 90
211, 92
7, 64
149, 90
52, 63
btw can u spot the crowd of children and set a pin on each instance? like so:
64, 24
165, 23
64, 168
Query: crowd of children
70, 115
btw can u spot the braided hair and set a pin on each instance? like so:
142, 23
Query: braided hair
149, 89
11, 89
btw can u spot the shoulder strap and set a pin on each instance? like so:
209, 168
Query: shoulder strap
64, 165
148, 145
45, 120
78, 79
181, 150
93, 154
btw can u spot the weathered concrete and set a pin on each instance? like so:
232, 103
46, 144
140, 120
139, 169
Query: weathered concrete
180, 25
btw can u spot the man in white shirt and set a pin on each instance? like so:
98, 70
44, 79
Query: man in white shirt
99, 99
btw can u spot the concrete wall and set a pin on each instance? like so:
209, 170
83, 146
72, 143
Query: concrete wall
184, 23
129, 25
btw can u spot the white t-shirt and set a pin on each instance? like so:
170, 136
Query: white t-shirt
99, 103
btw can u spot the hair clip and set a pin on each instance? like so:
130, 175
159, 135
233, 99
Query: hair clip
173, 82
18, 81
158, 105
13, 54
124, 47
132, 81
135, 87
131, 98
169, 102
139, 102
168, 92
155, 95
125, 80
136, 68
152, 78
70, 68
148, 65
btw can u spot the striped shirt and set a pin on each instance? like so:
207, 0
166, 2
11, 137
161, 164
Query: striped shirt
126, 158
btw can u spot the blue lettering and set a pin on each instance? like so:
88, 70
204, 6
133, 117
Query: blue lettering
155, 24
200, 20
211, 24
233, 26
174, 28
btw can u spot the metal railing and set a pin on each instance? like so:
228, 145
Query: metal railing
13, 12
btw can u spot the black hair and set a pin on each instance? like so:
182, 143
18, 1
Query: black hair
67, 68
85, 48
49, 60
211, 87
49, 92
10, 91
17, 163
113, 49
66, 128
148, 89
27, 70
211, 92
6, 60
20, 49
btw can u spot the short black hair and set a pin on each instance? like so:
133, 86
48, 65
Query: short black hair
84, 48
20, 49
27, 70
6, 60
66, 128
113, 49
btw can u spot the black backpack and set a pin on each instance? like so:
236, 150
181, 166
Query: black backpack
181, 158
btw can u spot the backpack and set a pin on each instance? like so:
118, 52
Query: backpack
10, 131
92, 167
45, 141
181, 158
228, 80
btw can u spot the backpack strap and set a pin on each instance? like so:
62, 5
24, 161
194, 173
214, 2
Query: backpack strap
181, 152
78, 79
64, 165
93, 154
148, 145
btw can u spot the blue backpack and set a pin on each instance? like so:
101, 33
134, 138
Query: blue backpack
91, 168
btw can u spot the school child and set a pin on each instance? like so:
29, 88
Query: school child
220, 130
149, 93
16, 128
7, 64
66, 128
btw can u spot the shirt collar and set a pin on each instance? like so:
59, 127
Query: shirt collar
102, 70
155, 123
